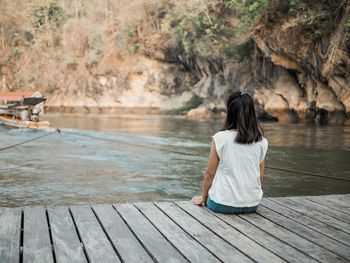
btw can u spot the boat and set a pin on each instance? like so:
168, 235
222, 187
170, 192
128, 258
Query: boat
22, 110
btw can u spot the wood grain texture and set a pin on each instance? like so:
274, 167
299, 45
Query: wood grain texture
10, 230
302, 244
156, 244
230, 234
316, 237
36, 237
225, 251
321, 227
64, 236
323, 209
342, 226
94, 239
123, 239
292, 229
333, 203
185, 243
262, 237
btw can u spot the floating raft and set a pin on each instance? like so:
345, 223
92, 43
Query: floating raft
286, 229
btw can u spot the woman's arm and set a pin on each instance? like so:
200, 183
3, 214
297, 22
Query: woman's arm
209, 175
262, 170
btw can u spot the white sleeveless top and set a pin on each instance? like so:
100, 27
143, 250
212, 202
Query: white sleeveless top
237, 178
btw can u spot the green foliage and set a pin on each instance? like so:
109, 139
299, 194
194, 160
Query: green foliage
193, 103
249, 11
16, 53
29, 36
193, 27
126, 39
347, 23
18, 37
312, 16
48, 13
347, 29
13, 35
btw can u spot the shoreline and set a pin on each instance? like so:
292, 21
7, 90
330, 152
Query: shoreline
81, 110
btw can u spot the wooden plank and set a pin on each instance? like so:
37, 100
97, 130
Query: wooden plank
10, 232
330, 203
324, 241
124, 241
277, 246
225, 251
189, 247
323, 209
64, 236
342, 200
313, 214
36, 237
155, 243
308, 221
292, 239
237, 239
96, 243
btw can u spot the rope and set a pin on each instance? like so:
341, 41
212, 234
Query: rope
306, 173
131, 144
184, 153
166, 150
30, 140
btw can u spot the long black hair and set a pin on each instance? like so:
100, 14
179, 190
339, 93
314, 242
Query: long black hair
241, 116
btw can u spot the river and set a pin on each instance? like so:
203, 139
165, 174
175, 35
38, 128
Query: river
152, 158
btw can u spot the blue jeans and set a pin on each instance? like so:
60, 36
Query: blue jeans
225, 209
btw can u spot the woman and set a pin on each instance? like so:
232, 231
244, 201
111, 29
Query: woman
232, 182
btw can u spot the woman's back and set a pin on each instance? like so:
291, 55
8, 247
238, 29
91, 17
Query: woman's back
237, 179
232, 181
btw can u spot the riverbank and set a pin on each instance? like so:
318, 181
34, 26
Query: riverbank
291, 56
197, 113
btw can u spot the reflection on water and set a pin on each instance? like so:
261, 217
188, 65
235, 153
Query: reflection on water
65, 169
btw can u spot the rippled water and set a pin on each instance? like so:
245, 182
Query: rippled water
147, 158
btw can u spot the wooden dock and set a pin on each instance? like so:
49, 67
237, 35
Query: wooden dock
293, 229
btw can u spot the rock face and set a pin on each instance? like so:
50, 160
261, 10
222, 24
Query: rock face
136, 81
199, 113
160, 54
284, 99
315, 84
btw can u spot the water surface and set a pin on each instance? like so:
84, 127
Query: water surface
149, 158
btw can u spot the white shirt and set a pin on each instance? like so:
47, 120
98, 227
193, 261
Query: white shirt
237, 178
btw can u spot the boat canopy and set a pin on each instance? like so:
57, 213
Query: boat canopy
22, 98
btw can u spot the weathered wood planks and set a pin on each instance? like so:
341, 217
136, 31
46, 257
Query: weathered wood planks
203, 235
36, 237
310, 222
322, 217
64, 235
231, 235
149, 236
10, 230
288, 229
184, 242
123, 239
95, 241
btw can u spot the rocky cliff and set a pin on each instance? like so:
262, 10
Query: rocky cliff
291, 55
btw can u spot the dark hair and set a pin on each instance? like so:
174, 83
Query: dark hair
241, 116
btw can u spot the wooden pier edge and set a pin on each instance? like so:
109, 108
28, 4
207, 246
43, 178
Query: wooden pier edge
284, 229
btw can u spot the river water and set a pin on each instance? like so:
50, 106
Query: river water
149, 158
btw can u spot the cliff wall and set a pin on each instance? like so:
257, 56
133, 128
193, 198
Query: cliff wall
292, 55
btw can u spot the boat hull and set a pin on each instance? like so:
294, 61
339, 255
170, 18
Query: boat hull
17, 123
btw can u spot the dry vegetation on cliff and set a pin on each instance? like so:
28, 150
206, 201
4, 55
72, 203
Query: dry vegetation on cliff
293, 55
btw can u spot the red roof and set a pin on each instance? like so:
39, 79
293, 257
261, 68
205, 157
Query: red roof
7, 96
